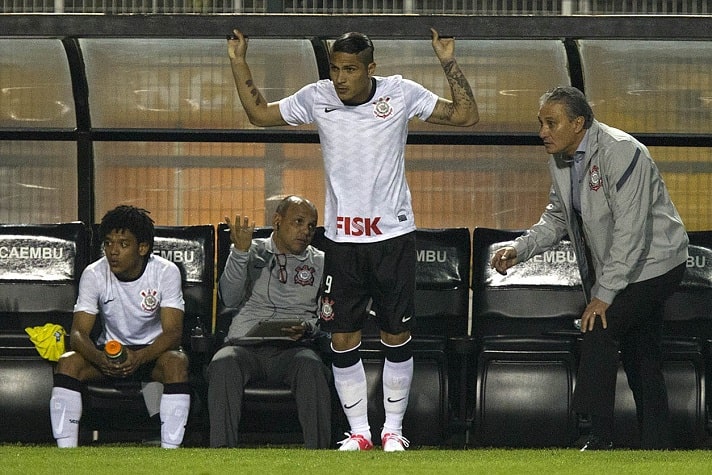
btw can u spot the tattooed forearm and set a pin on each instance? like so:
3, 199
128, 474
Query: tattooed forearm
459, 86
448, 66
254, 92
259, 112
463, 107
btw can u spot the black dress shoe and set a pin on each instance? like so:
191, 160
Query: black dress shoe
596, 443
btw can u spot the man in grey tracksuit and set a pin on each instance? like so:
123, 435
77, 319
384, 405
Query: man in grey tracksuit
275, 278
631, 246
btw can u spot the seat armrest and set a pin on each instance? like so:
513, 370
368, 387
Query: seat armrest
201, 343
462, 345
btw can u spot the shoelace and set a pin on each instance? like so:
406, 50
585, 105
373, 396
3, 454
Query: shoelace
349, 437
405, 442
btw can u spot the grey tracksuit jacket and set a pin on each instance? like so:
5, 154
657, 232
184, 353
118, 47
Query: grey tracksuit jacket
630, 225
250, 283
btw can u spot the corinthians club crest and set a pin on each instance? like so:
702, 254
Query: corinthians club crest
382, 108
326, 312
149, 302
594, 178
304, 275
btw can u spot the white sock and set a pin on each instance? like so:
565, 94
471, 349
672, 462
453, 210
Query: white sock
174, 416
65, 410
352, 390
397, 378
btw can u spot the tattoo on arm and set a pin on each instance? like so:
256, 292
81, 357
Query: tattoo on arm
254, 92
459, 87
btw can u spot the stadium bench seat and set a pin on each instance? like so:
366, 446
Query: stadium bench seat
442, 297
509, 357
686, 345
683, 370
442, 309
40, 267
441, 320
523, 325
687, 331
116, 410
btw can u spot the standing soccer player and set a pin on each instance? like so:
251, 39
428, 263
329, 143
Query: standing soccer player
370, 228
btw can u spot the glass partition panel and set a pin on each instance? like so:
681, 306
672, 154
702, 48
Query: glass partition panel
493, 186
38, 182
688, 175
507, 76
198, 183
186, 83
650, 86
35, 86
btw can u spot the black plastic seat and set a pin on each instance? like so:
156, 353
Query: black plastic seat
686, 343
524, 389
523, 325
442, 311
686, 336
40, 267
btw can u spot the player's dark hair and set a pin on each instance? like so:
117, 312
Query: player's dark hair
574, 102
129, 218
356, 43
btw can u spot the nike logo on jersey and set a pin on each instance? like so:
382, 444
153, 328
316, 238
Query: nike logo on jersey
406, 319
346, 406
394, 400
327, 109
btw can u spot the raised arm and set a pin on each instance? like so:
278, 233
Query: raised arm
259, 111
462, 109
232, 284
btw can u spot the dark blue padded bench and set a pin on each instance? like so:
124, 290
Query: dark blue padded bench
525, 357
40, 267
441, 321
442, 311
688, 327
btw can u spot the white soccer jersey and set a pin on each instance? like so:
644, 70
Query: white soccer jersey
130, 311
363, 146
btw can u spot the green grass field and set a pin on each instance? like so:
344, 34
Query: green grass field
135, 459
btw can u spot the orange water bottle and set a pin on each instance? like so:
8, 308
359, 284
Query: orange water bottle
115, 352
